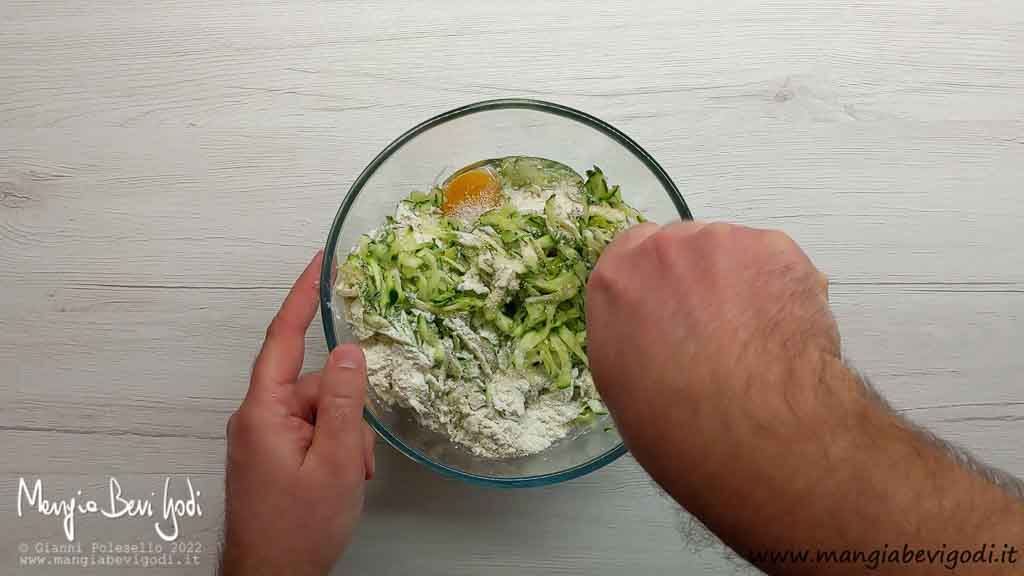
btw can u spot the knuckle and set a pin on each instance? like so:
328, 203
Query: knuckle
340, 406
240, 425
283, 327
340, 412
673, 254
600, 281
778, 239
608, 284
717, 228
715, 238
664, 246
717, 231
638, 233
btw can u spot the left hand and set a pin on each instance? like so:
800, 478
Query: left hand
299, 452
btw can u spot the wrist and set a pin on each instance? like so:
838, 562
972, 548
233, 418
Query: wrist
775, 444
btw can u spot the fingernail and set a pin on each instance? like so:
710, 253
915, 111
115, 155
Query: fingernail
347, 356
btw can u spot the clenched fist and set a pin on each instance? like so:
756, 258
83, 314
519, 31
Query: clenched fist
708, 328
716, 353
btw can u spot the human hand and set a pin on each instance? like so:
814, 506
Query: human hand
715, 350
703, 337
299, 452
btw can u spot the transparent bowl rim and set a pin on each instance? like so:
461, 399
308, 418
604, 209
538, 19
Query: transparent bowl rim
332, 239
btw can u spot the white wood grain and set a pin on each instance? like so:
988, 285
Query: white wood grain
167, 168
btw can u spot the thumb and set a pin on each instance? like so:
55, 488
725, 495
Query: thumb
338, 438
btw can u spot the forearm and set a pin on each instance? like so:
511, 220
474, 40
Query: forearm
729, 389
831, 468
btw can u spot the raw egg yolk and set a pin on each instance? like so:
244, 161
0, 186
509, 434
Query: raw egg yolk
471, 193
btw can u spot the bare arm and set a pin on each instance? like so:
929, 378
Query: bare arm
731, 391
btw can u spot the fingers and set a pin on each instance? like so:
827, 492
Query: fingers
632, 236
369, 439
339, 442
637, 234
684, 228
306, 397
280, 360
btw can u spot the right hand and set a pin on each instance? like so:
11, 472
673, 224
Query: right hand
701, 338
714, 348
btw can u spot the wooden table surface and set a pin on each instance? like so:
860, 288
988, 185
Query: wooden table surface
167, 169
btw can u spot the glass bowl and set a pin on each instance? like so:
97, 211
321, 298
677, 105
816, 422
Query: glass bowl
426, 155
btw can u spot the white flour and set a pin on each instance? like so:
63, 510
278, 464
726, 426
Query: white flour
517, 421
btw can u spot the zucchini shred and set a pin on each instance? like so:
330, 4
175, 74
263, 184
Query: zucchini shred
497, 291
